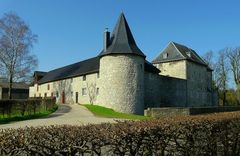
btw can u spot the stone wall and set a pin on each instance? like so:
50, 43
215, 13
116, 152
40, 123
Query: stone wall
122, 83
163, 91
72, 88
171, 112
199, 91
176, 69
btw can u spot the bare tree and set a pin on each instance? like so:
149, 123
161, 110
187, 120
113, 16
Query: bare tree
16, 42
222, 70
208, 58
211, 62
234, 59
92, 92
64, 87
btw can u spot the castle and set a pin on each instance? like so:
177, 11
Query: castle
120, 77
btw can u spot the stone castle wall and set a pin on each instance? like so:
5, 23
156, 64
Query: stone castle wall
163, 91
72, 87
199, 91
175, 69
122, 83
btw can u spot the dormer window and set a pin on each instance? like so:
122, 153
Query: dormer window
165, 55
188, 53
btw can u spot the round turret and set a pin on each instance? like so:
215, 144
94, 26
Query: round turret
121, 71
122, 83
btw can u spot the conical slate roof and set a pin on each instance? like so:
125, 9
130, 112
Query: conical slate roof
122, 41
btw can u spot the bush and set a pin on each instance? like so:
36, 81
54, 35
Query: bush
32, 105
215, 134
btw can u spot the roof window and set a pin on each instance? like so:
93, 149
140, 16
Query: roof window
188, 53
165, 55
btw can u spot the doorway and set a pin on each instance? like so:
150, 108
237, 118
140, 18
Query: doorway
76, 97
63, 97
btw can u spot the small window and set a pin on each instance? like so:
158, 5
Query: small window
189, 53
57, 94
48, 86
165, 55
72, 93
84, 77
45, 94
141, 66
52, 94
97, 92
97, 75
39, 94
84, 91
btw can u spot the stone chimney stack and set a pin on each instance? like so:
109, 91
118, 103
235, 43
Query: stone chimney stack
106, 40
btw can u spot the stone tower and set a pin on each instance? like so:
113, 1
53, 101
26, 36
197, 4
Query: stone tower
121, 71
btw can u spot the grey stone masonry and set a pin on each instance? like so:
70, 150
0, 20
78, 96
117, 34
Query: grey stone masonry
122, 83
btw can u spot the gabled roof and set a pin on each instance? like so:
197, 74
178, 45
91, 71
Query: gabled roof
122, 41
81, 68
175, 51
39, 73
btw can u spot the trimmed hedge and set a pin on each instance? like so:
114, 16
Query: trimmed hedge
214, 134
29, 106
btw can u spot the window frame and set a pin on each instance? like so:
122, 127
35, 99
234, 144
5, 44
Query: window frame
84, 91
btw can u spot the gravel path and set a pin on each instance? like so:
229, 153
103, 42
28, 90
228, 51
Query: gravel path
65, 115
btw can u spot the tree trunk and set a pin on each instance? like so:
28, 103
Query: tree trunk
238, 93
224, 97
10, 87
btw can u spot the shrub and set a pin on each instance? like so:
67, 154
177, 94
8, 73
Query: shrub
9, 107
214, 134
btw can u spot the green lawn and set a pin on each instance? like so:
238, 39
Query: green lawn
110, 113
18, 117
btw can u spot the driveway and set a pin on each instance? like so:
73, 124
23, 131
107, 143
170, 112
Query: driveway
65, 115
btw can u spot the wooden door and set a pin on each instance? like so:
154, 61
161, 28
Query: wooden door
63, 97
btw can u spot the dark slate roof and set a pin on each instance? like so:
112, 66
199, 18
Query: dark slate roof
81, 68
176, 52
150, 68
15, 85
40, 73
122, 41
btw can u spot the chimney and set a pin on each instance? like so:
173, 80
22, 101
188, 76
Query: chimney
106, 40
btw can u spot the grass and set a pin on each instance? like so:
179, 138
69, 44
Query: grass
17, 117
110, 113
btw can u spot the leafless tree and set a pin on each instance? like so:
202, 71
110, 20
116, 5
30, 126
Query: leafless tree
208, 58
222, 70
16, 42
211, 62
234, 59
64, 86
92, 92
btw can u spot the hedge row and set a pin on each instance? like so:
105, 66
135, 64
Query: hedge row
30, 106
216, 134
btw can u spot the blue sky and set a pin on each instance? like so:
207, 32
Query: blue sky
72, 30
